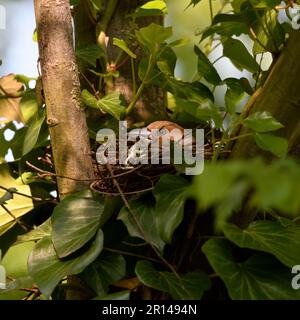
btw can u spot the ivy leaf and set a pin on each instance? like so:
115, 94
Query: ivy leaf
33, 131
170, 194
20, 204
261, 277
47, 269
152, 36
206, 68
75, 220
90, 54
121, 295
144, 212
111, 103
277, 145
204, 111
262, 122
189, 287
151, 8
105, 270
274, 37
36, 234
239, 55
123, 45
282, 241
234, 94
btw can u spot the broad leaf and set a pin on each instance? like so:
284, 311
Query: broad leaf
45, 229
75, 221
261, 277
274, 144
262, 122
151, 8
170, 194
206, 68
123, 45
19, 205
33, 131
90, 54
47, 269
121, 295
111, 103
239, 55
283, 241
143, 212
104, 271
189, 287
152, 36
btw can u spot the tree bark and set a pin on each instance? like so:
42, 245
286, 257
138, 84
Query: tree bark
65, 113
280, 96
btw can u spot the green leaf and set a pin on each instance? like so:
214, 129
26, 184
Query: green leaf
104, 271
47, 269
15, 264
206, 68
123, 45
19, 205
262, 121
239, 55
33, 131
143, 211
205, 111
274, 144
151, 8
111, 103
190, 286
269, 236
38, 233
75, 220
234, 94
15, 259
152, 36
261, 277
89, 100
270, 33
226, 29
29, 106
90, 54
191, 91
121, 295
170, 194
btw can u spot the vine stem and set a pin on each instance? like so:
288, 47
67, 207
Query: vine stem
142, 86
211, 11
127, 205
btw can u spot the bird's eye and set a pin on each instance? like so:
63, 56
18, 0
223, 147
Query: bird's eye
163, 131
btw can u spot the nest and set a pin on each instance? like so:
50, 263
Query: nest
114, 179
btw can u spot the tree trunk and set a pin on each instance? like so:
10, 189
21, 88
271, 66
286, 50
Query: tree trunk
65, 114
280, 96
114, 22
153, 101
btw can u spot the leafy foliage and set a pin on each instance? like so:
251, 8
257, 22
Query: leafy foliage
164, 238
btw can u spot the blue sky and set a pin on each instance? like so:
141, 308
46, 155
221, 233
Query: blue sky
17, 50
